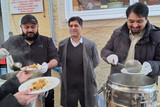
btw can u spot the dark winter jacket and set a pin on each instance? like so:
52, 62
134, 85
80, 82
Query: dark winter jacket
6, 93
42, 50
147, 48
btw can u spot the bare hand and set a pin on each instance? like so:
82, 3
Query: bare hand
23, 76
24, 98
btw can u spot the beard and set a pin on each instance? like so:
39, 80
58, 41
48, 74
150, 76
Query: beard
30, 38
137, 31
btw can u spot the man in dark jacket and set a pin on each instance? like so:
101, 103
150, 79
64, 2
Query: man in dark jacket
136, 39
30, 47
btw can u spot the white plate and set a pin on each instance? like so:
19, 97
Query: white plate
53, 80
32, 70
143, 72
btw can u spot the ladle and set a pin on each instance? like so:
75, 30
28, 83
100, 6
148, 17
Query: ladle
14, 65
118, 63
132, 66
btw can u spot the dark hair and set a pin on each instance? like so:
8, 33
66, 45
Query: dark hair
138, 8
76, 18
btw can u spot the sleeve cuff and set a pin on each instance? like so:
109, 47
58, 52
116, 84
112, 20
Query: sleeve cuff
10, 101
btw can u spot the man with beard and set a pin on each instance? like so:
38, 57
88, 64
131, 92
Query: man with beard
136, 39
30, 47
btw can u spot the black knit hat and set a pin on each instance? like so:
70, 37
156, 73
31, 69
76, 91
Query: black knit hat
29, 18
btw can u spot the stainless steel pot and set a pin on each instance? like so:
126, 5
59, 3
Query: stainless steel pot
124, 90
12, 74
8, 75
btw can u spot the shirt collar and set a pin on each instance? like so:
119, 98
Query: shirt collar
28, 42
81, 40
76, 44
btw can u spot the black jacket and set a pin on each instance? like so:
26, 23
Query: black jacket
41, 50
6, 93
147, 48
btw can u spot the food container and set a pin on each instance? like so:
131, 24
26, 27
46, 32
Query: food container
124, 90
12, 74
8, 75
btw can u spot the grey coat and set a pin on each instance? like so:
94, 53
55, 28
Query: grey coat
90, 61
147, 48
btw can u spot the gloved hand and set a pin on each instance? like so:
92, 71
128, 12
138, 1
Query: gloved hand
112, 59
146, 68
3, 53
44, 68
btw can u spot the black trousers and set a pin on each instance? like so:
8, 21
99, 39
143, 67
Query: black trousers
49, 100
75, 93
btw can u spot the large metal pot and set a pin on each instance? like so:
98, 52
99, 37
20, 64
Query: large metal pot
124, 90
12, 74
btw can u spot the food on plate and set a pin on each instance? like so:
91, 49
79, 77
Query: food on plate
39, 84
34, 66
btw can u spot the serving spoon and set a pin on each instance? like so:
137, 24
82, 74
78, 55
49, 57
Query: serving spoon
14, 65
132, 66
